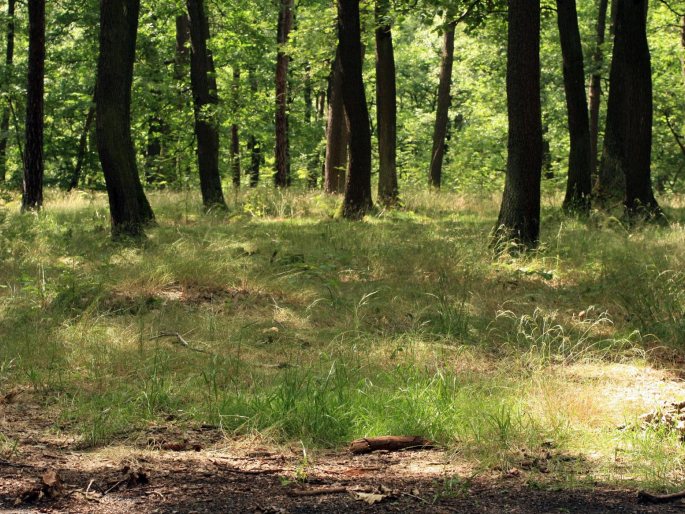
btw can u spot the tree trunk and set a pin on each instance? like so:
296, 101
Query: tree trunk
519, 218
579, 186
626, 164
82, 147
596, 84
129, 207
205, 100
443, 106
182, 50
9, 61
235, 130
154, 149
337, 134
386, 107
358, 199
253, 145
285, 23
32, 198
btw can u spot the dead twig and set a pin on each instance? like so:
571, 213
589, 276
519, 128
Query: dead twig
180, 340
317, 492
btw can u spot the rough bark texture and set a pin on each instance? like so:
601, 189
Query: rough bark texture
235, 130
9, 61
389, 444
596, 83
626, 163
337, 134
358, 199
519, 218
285, 24
82, 147
205, 100
129, 208
443, 107
33, 166
386, 107
579, 186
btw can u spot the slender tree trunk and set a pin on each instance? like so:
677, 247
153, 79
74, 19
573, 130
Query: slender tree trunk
82, 146
628, 140
9, 61
443, 106
579, 187
519, 218
205, 100
285, 23
596, 83
253, 144
182, 56
129, 207
337, 134
358, 199
235, 130
33, 167
154, 149
682, 45
386, 107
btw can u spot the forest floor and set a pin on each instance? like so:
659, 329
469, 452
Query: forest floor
225, 363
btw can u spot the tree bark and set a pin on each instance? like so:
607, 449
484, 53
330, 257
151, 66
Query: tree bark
32, 198
386, 107
626, 164
235, 129
443, 106
205, 100
129, 208
9, 61
285, 23
596, 84
253, 145
358, 199
579, 185
82, 147
181, 59
519, 218
337, 134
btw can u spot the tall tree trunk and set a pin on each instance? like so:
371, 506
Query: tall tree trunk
235, 129
519, 218
154, 149
9, 61
682, 45
596, 83
443, 106
253, 145
32, 198
129, 208
82, 147
205, 100
386, 107
285, 23
579, 187
358, 199
337, 134
628, 140
181, 59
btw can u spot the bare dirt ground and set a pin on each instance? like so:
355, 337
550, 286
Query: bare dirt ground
170, 469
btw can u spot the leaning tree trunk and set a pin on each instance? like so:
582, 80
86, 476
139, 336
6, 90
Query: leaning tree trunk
443, 107
579, 186
32, 198
628, 140
235, 130
82, 147
129, 208
285, 23
358, 199
337, 134
519, 218
596, 83
205, 100
386, 107
9, 61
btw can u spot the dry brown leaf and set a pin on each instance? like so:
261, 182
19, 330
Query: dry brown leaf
371, 498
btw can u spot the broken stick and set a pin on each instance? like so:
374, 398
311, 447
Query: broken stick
389, 443
645, 497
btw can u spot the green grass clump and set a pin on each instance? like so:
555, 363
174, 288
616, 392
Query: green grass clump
319, 330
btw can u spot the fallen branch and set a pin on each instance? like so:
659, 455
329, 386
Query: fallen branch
389, 443
645, 497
